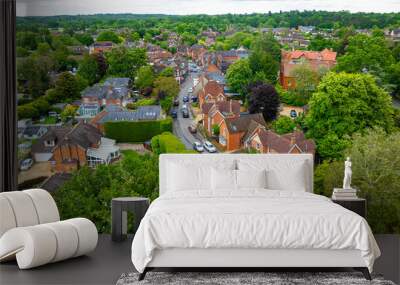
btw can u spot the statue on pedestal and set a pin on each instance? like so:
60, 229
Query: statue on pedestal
347, 174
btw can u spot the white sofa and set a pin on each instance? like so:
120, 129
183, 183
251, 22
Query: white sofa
31, 231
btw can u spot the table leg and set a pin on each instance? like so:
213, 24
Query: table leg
116, 222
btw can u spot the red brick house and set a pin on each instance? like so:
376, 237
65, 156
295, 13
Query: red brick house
315, 59
267, 141
196, 52
235, 131
101, 47
215, 113
74, 147
212, 92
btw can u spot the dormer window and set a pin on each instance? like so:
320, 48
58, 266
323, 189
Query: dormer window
48, 143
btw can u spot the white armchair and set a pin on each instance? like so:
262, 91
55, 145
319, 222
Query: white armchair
31, 230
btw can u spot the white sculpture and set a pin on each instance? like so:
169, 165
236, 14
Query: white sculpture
347, 174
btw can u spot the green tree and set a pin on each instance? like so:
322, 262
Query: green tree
109, 36
319, 43
89, 69
306, 82
265, 58
145, 77
394, 79
167, 72
238, 76
375, 174
344, 104
167, 85
84, 39
367, 54
93, 189
376, 169
284, 125
215, 130
27, 111
33, 74
125, 62
67, 87
68, 113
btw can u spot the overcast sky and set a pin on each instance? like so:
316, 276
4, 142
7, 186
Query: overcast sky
184, 7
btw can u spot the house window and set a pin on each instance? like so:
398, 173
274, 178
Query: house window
49, 143
94, 161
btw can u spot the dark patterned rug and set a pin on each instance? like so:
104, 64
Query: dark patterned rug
244, 278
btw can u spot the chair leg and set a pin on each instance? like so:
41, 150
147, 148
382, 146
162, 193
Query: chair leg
364, 271
143, 274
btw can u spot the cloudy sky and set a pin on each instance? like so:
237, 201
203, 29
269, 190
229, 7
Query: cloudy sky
184, 7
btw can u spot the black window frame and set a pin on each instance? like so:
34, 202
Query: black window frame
8, 97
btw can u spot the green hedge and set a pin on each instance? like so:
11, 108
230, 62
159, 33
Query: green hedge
136, 131
168, 143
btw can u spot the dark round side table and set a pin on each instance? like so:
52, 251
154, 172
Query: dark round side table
119, 208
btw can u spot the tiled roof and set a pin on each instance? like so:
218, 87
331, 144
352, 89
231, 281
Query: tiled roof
54, 182
100, 92
143, 113
213, 88
84, 135
242, 123
54, 134
118, 82
103, 44
285, 143
32, 130
326, 55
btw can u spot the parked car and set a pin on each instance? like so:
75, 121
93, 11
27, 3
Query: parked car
190, 90
184, 106
209, 147
176, 102
147, 145
185, 113
174, 114
26, 164
185, 99
194, 99
192, 128
293, 113
198, 147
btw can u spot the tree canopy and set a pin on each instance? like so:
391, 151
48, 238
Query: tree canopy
344, 104
145, 77
264, 99
123, 62
109, 36
238, 76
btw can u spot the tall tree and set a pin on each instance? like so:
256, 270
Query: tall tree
265, 58
306, 81
125, 62
67, 87
264, 99
109, 36
238, 76
145, 77
344, 104
89, 69
368, 54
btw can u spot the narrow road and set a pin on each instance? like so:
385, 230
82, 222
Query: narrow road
181, 124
